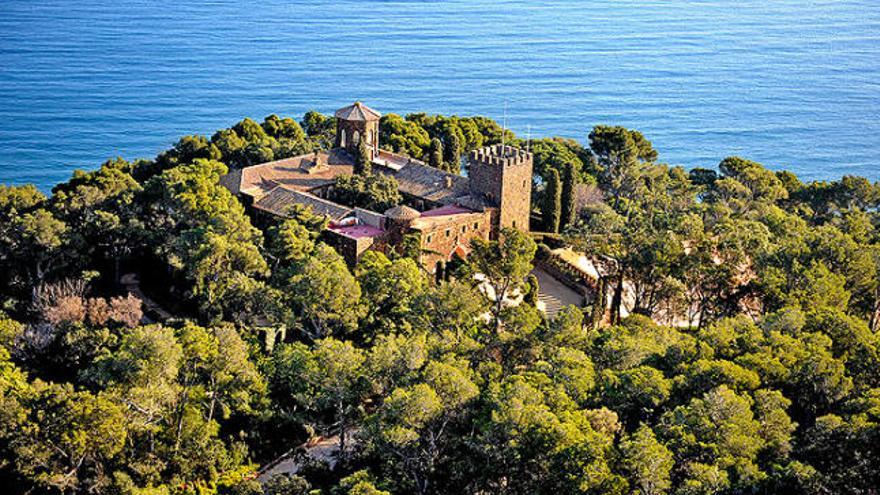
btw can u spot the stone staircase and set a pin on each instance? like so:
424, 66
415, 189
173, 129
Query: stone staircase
553, 295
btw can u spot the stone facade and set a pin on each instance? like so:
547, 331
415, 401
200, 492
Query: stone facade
440, 241
502, 176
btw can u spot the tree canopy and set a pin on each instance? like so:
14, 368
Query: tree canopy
733, 348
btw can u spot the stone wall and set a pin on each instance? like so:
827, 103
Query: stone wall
442, 240
349, 248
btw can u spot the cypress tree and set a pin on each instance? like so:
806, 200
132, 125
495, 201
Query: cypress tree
568, 179
598, 311
363, 164
551, 210
435, 158
532, 288
453, 153
440, 273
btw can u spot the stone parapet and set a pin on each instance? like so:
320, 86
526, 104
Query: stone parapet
501, 155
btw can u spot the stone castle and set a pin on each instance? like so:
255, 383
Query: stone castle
443, 210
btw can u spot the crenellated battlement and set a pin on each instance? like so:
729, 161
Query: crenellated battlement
500, 155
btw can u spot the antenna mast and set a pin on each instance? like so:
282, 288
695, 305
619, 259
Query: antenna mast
504, 127
528, 138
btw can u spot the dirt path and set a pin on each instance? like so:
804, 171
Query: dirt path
151, 309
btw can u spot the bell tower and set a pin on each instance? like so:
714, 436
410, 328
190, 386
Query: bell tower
355, 123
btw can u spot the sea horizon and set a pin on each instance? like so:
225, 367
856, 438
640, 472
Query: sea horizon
789, 84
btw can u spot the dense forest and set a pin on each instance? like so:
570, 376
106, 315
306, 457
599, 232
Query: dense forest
260, 337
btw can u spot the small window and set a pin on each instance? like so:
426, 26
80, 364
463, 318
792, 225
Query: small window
514, 224
524, 184
476, 225
447, 232
429, 238
463, 229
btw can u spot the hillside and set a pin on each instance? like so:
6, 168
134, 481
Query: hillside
259, 337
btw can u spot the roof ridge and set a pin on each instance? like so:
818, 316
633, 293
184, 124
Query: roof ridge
357, 111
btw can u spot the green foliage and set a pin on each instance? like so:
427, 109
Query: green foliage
370, 191
363, 162
289, 242
648, 462
567, 198
435, 156
762, 183
742, 354
337, 380
200, 229
414, 135
66, 435
558, 154
635, 393
532, 289
504, 264
390, 290
325, 293
551, 205
282, 484
453, 151
403, 136
249, 143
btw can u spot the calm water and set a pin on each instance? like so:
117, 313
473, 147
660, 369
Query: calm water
791, 83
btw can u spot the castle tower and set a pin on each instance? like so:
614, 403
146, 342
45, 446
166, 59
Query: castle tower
357, 122
502, 176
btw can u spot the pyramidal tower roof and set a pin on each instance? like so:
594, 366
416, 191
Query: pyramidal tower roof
357, 111
402, 212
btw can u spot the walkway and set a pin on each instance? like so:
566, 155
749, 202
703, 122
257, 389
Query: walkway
324, 450
553, 295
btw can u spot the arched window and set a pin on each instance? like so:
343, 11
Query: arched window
342, 139
356, 138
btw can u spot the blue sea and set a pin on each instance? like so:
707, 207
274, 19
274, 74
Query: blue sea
794, 84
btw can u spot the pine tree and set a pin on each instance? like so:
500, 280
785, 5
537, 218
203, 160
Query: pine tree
453, 153
435, 158
568, 179
551, 209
